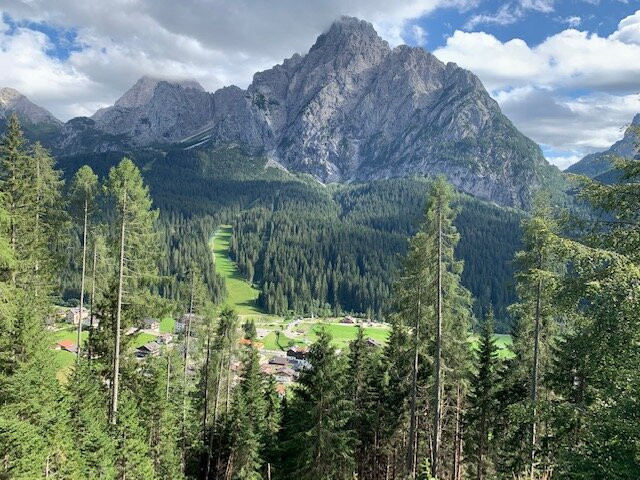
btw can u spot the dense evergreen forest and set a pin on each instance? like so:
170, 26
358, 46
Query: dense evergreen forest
429, 404
316, 249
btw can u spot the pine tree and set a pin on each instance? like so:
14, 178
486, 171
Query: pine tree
539, 268
137, 245
14, 159
430, 296
319, 444
248, 421
482, 398
90, 423
36, 439
84, 188
133, 457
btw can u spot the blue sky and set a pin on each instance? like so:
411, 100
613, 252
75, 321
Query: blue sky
566, 72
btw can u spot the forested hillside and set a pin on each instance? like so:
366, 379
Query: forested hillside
338, 242
430, 402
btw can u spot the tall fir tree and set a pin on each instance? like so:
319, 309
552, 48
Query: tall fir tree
438, 308
137, 247
539, 268
483, 400
84, 189
319, 443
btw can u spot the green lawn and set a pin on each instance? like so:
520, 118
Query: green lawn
70, 332
167, 325
240, 295
341, 334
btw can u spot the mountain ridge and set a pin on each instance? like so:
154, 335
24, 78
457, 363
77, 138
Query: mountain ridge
351, 109
599, 163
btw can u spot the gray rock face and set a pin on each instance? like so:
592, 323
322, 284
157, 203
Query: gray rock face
351, 109
598, 163
157, 111
12, 101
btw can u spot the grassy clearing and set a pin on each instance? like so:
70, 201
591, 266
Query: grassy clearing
240, 295
167, 325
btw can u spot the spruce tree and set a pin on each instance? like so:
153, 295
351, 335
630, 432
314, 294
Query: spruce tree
438, 308
90, 423
538, 270
137, 249
319, 443
84, 188
248, 421
482, 399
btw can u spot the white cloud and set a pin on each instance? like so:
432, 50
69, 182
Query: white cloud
570, 59
563, 161
419, 35
579, 125
573, 21
533, 83
629, 29
510, 12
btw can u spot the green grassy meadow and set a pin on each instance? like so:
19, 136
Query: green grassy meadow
240, 295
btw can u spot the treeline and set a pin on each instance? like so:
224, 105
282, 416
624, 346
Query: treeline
341, 255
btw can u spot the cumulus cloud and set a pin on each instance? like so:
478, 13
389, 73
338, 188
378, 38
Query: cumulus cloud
534, 84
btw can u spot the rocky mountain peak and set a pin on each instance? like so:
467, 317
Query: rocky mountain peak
350, 35
351, 109
636, 119
8, 96
142, 91
12, 101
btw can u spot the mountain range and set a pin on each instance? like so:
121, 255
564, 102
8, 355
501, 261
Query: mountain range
600, 164
351, 109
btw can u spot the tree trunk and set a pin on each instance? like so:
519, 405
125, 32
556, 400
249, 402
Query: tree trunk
93, 283
457, 458
184, 378
206, 387
437, 417
84, 259
534, 373
481, 445
168, 375
116, 355
411, 450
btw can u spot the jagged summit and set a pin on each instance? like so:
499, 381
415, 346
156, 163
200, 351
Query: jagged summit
156, 110
12, 101
142, 91
350, 34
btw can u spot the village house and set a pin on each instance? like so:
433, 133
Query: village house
298, 353
280, 361
152, 324
349, 320
67, 345
285, 375
151, 348
74, 315
164, 339
187, 320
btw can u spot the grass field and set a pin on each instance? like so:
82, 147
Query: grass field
240, 295
167, 325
